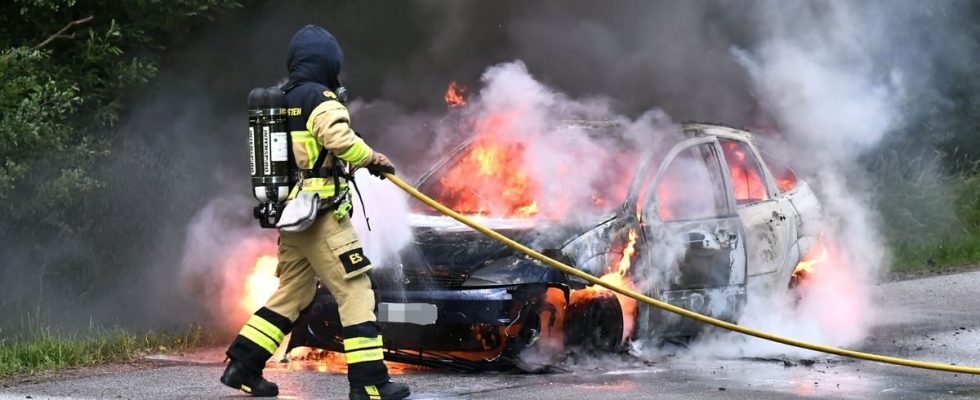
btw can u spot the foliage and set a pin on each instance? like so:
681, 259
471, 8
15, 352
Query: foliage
929, 200
61, 98
931, 218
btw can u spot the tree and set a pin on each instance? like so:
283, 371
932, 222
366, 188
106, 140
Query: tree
65, 66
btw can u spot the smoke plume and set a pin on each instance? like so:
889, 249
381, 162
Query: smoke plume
824, 83
820, 74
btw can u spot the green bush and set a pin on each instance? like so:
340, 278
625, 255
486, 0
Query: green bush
68, 69
65, 69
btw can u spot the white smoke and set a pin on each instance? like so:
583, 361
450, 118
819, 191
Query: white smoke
220, 252
818, 77
576, 152
814, 72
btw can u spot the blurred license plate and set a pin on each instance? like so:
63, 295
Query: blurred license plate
408, 313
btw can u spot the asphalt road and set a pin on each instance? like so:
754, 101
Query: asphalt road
933, 319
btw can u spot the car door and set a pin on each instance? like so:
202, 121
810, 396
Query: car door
766, 216
692, 231
798, 199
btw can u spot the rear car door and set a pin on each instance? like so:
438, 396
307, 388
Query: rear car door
766, 216
796, 197
691, 224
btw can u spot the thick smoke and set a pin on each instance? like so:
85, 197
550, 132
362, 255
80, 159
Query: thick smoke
219, 255
834, 79
820, 75
538, 133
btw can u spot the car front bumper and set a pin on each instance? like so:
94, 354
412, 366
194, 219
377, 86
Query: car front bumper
470, 327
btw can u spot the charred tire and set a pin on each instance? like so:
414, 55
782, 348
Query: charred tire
595, 324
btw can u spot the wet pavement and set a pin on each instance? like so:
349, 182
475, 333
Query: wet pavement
932, 319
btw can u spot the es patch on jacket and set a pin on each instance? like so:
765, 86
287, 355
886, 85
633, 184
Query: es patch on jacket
354, 260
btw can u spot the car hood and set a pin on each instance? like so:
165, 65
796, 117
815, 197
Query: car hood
441, 244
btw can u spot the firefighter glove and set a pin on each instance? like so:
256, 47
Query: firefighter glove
380, 164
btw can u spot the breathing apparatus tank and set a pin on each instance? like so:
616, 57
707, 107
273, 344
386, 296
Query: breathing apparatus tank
268, 141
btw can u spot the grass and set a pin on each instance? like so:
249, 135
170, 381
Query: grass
937, 255
47, 350
931, 217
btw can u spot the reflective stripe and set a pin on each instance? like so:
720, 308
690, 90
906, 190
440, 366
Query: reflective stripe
306, 139
357, 154
317, 185
312, 152
372, 391
362, 343
258, 338
321, 186
266, 327
312, 147
355, 357
246, 389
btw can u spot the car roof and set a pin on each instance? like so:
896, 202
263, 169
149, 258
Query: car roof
704, 129
691, 129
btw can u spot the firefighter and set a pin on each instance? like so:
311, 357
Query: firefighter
323, 145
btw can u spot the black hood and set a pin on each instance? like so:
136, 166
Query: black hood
315, 56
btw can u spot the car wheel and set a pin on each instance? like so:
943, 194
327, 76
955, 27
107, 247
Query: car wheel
595, 323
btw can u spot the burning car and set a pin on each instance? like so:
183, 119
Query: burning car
703, 218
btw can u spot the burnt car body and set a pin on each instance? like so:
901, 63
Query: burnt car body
709, 216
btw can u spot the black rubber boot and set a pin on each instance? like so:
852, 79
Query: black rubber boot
236, 376
385, 391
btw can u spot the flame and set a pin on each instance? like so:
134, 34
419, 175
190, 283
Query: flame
454, 95
319, 360
807, 266
786, 181
628, 252
490, 179
529, 209
817, 255
261, 283
617, 274
496, 175
746, 178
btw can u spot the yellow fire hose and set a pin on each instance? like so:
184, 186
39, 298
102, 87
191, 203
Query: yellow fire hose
669, 307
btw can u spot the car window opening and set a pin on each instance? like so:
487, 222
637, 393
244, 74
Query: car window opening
784, 176
692, 186
746, 172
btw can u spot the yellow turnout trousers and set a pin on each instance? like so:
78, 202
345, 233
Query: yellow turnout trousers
329, 251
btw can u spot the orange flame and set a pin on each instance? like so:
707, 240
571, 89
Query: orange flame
628, 252
617, 274
261, 283
745, 174
786, 181
490, 179
319, 360
816, 256
454, 95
